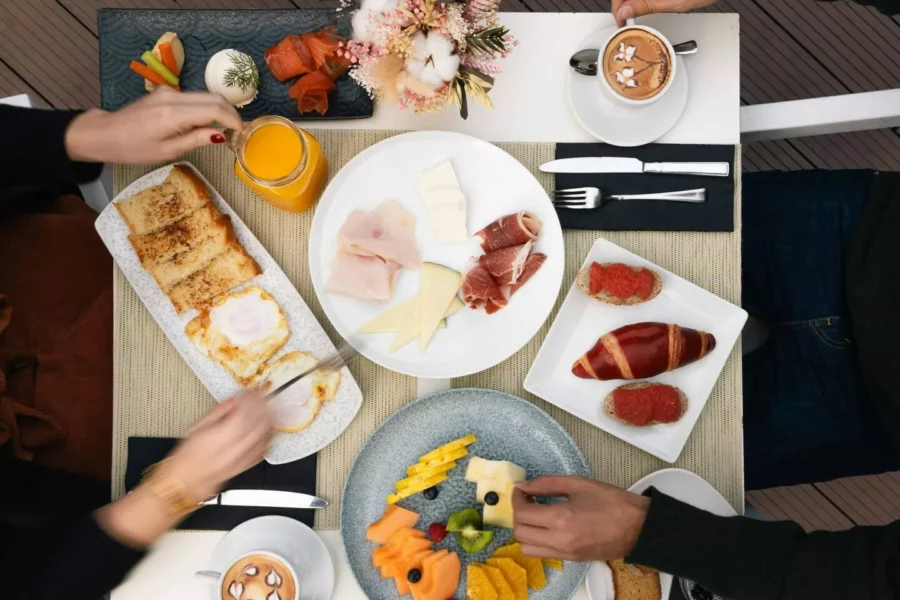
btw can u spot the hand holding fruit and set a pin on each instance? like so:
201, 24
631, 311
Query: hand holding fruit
159, 127
629, 9
596, 522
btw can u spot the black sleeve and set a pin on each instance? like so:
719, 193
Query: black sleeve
748, 559
85, 566
33, 150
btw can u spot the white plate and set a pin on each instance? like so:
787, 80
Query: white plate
290, 539
582, 320
495, 184
682, 485
306, 333
615, 123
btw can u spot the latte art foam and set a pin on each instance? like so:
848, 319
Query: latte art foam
258, 577
637, 64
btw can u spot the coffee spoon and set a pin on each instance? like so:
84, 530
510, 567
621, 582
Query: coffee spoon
585, 61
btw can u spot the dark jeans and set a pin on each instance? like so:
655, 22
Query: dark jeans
807, 416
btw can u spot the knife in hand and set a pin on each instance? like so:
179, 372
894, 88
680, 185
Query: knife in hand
269, 498
618, 164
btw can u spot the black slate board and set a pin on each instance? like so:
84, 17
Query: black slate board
126, 34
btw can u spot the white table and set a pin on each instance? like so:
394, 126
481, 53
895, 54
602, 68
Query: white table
530, 105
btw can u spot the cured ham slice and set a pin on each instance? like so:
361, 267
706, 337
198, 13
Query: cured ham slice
363, 277
481, 291
387, 232
511, 230
531, 267
506, 265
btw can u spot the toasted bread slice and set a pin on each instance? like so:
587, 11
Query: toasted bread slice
181, 194
229, 269
609, 407
180, 236
583, 280
634, 582
185, 264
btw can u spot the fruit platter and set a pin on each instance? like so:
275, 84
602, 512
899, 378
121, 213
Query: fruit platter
427, 511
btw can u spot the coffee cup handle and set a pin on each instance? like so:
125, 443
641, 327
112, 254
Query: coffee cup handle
212, 576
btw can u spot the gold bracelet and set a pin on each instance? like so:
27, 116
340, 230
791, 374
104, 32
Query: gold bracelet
170, 490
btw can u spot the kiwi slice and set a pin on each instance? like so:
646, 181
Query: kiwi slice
466, 518
473, 540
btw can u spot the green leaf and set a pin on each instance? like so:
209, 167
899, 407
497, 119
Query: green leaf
242, 73
459, 88
487, 41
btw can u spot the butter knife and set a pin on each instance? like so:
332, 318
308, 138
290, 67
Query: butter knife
269, 498
619, 164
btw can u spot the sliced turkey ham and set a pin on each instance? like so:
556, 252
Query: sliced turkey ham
531, 267
388, 231
506, 265
363, 277
481, 291
512, 230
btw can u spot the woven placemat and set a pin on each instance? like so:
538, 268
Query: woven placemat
156, 394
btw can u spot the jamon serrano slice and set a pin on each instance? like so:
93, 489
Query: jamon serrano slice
506, 266
531, 267
511, 230
481, 291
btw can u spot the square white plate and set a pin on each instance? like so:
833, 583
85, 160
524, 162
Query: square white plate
305, 331
582, 320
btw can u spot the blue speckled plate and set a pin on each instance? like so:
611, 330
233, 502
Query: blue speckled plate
507, 428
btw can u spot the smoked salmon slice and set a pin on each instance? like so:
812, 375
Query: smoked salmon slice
311, 92
285, 61
322, 45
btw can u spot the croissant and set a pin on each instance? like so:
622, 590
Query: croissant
643, 350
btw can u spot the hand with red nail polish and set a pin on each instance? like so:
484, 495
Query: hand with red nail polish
159, 127
623, 10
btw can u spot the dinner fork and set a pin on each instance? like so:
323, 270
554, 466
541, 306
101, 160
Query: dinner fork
331, 363
591, 197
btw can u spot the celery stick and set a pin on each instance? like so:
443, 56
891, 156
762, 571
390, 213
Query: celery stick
154, 63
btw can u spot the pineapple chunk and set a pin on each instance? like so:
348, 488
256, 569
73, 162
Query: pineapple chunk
415, 489
501, 514
424, 475
449, 447
499, 470
423, 467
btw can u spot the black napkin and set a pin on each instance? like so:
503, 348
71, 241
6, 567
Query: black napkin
297, 476
716, 214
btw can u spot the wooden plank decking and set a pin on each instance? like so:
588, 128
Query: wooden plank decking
790, 49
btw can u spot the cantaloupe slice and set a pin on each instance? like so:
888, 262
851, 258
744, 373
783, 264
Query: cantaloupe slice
401, 535
404, 565
443, 580
424, 584
381, 554
415, 544
394, 518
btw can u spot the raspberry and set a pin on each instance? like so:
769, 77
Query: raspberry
437, 532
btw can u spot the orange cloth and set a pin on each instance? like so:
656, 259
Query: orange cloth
57, 351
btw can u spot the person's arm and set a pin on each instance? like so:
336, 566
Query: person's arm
33, 148
737, 557
743, 558
100, 549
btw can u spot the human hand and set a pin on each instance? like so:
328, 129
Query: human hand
228, 440
158, 127
623, 10
597, 522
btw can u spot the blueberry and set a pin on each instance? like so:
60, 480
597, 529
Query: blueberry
414, 576
431, 493
491, 498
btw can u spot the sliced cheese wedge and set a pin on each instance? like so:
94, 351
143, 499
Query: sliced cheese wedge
392, 319
440, 285
445, 203
409, 329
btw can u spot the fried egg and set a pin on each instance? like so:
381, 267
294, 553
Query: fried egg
297, 406
240, 331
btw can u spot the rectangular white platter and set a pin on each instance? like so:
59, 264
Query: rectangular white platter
582, 320
305, 331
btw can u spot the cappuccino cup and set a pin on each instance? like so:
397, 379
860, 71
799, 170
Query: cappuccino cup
259, 575
636, 65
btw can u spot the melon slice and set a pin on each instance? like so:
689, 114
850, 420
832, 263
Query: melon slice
401, 535
394, 518
381, 555
403, 566
440, 580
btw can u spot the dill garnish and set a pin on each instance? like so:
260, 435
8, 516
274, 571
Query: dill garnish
242, 73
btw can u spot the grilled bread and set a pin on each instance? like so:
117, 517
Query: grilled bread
229, 269
583, 280
634, 582
181, 194
180, 236
609, 405
183, 265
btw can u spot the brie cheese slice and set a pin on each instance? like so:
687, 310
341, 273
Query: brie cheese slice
445, 203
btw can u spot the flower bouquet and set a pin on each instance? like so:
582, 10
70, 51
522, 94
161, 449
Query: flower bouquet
426, 54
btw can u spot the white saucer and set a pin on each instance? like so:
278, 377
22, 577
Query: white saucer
290, 539
615, 123
683, 485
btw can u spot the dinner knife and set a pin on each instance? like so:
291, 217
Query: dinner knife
270, 498
619, 164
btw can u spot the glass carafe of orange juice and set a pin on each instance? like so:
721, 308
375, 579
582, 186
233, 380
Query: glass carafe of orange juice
282, 163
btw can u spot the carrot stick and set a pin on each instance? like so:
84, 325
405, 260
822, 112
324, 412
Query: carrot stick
147, 73
168, 58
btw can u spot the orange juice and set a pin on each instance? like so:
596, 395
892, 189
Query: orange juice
282, 163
